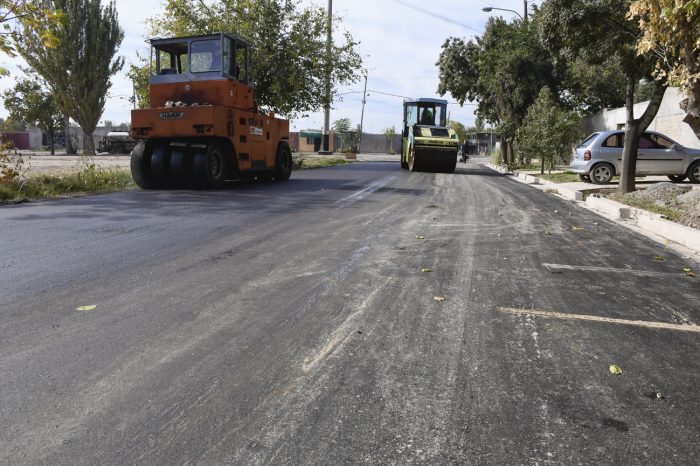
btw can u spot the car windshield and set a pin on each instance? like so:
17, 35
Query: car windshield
588, 140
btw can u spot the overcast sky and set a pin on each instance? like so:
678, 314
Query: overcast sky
400, 41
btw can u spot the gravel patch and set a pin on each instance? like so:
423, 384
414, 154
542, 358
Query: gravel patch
669, 199
663, 194
690, 198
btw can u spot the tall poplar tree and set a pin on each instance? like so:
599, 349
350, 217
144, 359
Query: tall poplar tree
78, 70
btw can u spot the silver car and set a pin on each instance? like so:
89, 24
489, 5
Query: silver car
599, 158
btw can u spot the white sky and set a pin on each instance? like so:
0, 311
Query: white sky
399, 45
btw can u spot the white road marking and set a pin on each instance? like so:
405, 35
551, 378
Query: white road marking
356, 196
586, 268
609, 320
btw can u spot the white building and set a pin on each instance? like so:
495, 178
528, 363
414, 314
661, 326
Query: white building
668, 121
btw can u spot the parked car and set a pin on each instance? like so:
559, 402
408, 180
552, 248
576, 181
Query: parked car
599, 158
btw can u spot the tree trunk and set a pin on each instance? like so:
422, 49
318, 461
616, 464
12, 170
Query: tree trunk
691, 106
88, 144
634, 130
511, 155
504, 151
70, 150
542, 164
51, 133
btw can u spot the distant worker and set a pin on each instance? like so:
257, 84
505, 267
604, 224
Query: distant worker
426, 117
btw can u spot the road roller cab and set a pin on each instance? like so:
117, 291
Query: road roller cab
427, 143
203, 127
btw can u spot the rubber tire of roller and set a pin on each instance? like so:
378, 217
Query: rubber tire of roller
283, 162
180, 168
141, 166
210, 169
160, 166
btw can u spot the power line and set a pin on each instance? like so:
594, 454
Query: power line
435, 15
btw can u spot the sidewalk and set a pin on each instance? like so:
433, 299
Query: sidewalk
683, 239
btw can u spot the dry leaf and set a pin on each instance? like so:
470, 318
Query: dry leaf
426, 270
420, 237
575, 228
659, 258
86, 308
615, 369
439, 298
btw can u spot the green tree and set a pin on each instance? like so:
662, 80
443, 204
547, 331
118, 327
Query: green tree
459, 128
30, 101
597, 33
342, 127
139, 74
491, 70
671, 32
78, 70
11, 125
32, 15
289, 47
390, 133
548, 132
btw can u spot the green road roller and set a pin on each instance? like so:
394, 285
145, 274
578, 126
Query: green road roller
428, 145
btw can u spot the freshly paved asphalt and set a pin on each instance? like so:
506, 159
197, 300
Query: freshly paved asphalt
290, 323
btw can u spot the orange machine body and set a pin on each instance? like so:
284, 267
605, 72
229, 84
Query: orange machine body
201, 92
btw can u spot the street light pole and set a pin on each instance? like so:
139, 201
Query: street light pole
327, 108
491, 8
362, 115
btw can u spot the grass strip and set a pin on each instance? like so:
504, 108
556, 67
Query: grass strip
646, 204
87, 181
318, 162
566, 177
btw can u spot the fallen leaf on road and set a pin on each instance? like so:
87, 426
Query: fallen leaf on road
659, 258
575, 228
420, 237
547, 233
86, 308
439, 298
426, 270
556, 211
499, 235
615, 369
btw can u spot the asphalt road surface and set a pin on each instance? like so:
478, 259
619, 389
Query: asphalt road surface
291, 323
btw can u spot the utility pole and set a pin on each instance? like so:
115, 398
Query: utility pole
525, 10
362, 115
327, 110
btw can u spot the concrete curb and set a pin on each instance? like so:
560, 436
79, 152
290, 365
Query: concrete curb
654, 225
612, 209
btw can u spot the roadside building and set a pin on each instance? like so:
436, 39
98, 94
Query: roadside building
31, 139
668, 120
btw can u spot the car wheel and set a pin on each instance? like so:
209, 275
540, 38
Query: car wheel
694, 173
676, 178
584, 178
602, 173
